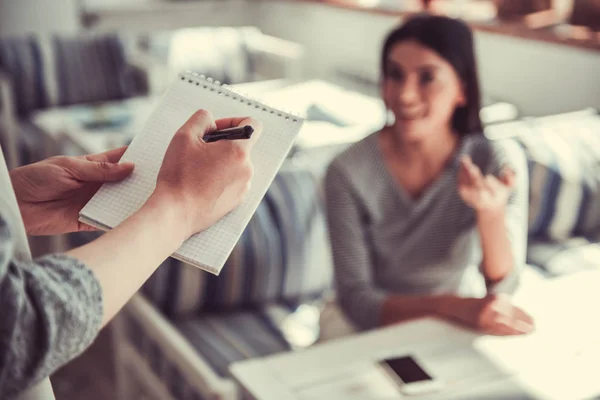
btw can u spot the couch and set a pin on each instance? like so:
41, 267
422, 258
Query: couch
176, 339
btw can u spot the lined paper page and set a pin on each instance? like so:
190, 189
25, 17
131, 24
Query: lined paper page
208, 250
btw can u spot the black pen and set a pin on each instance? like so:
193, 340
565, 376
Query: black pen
239, 132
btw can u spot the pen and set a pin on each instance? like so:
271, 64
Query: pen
239, 132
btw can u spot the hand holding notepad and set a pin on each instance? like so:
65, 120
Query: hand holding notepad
209, 249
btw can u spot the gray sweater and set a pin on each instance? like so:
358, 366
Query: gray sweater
50, 309
384, 242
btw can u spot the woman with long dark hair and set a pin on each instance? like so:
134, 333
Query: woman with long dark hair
427, 217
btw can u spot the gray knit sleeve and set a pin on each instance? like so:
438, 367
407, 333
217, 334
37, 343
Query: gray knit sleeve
50, 311
358, 295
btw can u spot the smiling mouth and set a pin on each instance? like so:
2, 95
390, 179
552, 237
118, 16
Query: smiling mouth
411, 115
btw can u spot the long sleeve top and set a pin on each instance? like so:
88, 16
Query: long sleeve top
384, 242
50, 308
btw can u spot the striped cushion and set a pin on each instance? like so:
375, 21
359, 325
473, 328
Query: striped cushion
564, 165
31, 143
59, 71
90, 69
170, 374
229, 337
283, 255
220, 340
21, 60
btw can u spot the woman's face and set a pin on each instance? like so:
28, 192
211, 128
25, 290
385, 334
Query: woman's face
422, 89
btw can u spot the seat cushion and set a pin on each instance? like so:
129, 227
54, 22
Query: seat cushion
225, 338
568, 256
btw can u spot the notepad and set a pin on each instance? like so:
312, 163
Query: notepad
208, 250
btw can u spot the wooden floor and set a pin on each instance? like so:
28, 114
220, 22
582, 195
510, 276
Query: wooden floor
91, 375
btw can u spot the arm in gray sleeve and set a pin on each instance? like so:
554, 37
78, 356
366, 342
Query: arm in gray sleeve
50, 311
358, 297
509, 153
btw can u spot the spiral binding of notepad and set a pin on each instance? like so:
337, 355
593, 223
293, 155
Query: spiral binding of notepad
229, 91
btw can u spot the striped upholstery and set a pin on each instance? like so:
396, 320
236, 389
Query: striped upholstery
61, 71
90, 69
564, 165
283, 255
21, 60
225, 338
168, 373
31, 143
220, 339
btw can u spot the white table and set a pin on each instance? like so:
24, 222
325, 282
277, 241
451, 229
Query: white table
561, 360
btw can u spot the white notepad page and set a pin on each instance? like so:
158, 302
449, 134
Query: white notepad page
208, 250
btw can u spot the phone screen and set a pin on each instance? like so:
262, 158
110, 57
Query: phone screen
407, 369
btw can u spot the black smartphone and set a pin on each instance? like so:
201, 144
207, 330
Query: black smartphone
410, 376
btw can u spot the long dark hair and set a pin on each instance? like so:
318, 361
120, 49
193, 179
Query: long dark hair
453, 40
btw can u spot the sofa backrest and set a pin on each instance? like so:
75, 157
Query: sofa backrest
282, 256
563, 153
64, 70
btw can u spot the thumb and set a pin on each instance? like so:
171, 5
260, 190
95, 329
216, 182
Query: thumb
102, 171
508, 177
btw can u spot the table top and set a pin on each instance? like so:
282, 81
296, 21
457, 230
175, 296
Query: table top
557, 361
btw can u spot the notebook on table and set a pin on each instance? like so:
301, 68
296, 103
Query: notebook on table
208, 250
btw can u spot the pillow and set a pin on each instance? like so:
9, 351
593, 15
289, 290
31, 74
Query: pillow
563, 154
61, 70
90, 68
20, 60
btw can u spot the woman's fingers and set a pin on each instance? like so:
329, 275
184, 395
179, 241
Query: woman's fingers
514, 322
247, 144
463, 174
111, 156
500, 317
200, 123
525, 320
98, 171
474, 177
491, 183
233, 122
508, 177
471, 178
